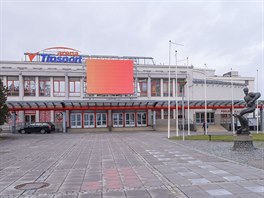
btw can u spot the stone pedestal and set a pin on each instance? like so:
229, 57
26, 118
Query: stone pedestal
243, 143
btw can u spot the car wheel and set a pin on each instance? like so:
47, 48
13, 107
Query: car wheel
42, 131
23, 131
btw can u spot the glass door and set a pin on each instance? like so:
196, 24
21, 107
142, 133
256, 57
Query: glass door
141, 119
76, 120
88, 120
118, 119
130, 119
101, 120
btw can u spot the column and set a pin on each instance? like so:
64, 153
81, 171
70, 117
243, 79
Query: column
109, 120
37, 86
261, 120
149, 117
37, 115
173, 88
52, 116
13, 122
67, 118
66, 86
51, 87
162, 113
21, 87
64, 129
154, 120
21, 116
82, 88
231, 127
161, 87
149, 87
5, 81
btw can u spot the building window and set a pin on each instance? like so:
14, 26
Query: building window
13, 85
75, 87
141, 119
118, 119
143, 87
44, 86
29, 86
166, 87
200, 117
155, 87
59, 87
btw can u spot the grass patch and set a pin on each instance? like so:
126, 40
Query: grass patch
224, 138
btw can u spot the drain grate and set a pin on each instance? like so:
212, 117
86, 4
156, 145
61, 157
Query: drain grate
31, 186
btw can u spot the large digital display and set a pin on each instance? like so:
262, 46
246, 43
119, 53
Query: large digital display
109, 76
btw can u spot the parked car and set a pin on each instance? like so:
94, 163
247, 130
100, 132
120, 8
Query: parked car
42, 127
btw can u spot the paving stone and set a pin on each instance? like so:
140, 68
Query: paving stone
219, 192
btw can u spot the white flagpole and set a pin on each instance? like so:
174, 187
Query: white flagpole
188, 99
232, 98
257, 114
169, 92
205, 101
176, 94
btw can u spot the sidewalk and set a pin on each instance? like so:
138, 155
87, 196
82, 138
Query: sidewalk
120, 164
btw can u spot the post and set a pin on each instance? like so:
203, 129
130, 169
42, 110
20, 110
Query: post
205, 101
183, 131
257, 115
232, 109
13, 122
176, 95
64, 129
188, 99
154, 120
169, 92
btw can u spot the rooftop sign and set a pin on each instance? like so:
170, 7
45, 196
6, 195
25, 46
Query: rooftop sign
56, 55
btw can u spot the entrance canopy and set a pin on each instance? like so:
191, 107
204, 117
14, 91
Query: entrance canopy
122, 104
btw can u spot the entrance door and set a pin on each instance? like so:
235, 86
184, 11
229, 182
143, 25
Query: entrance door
101, 120
30, 119
118, 119
141, 119
88, 120
130, 119
76, 120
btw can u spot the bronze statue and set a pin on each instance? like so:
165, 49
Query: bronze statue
250, 99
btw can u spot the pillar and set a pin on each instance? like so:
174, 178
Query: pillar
82, 88
51, 86
149, 117
13, 122
52, 116
154, 120
37, 86
162, 113
109, 120
149, 87
21, 86
161, 87
37, 116
66, 86
261, 120
231, 117
64, 129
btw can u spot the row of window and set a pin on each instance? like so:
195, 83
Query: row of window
75, 86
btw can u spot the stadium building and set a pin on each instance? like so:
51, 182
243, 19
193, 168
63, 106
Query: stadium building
87, 92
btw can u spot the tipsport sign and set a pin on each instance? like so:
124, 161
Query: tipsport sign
56, 55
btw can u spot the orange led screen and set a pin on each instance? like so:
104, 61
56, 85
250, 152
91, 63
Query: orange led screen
109, 76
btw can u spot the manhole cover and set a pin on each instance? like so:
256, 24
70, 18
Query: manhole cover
31, 186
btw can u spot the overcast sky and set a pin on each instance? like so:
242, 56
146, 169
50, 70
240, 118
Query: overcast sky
220, 34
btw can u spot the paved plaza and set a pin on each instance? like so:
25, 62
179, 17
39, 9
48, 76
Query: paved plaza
120, 164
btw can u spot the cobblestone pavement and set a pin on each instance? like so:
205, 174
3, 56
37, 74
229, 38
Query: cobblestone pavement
128, 164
